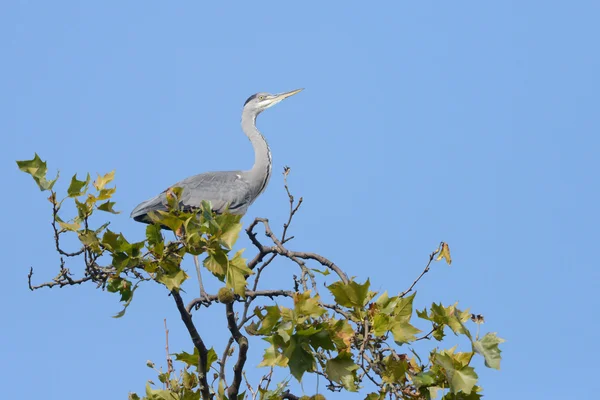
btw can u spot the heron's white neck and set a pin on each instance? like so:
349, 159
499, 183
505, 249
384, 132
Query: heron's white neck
260, 173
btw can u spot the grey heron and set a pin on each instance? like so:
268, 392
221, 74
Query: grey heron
231, 191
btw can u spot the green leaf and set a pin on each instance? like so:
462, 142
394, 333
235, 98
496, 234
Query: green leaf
211, 357
172, 280
321, 339
273, 358
300, 357
488, 348
424, 379
159, 394
474, 395
381, 324
230, 229
460, 378
403, 332
164, 218
383, 300
404, 308
450, 316
154, 235
102, 181
191, 360
324, 272
217, 263
237, 271
84, 209
394, 370
89, 239
77, 187
37, 169
350, 294
127, 296
114, 242
306, 306
269, 320
108, 207
341, 369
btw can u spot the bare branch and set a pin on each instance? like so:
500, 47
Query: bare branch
426, 270
170, 368
280, 249
57, 232
63, 279
223, 361
250, 294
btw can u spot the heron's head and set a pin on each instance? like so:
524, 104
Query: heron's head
259, 102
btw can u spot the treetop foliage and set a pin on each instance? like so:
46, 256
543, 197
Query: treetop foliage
354, 338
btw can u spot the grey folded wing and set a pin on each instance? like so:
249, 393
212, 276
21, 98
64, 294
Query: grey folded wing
227, 190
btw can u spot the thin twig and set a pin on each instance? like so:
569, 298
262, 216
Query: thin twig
170, 368
431, 257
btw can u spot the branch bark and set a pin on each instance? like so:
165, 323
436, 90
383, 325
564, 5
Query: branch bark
242, 341
198, 343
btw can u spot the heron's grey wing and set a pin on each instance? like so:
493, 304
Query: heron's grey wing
225, 190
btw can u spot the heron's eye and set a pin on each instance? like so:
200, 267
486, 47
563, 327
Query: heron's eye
261, 97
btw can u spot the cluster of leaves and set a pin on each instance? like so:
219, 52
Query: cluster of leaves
350, 344
182, 386
363, 339
197, 232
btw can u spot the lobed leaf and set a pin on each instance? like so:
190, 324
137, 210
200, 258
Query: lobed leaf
77, 187
488, 348
350, 294
38, 170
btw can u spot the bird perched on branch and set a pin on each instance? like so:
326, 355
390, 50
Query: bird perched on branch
231, 191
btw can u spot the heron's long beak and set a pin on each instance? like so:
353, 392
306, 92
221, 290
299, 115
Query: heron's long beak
282, 96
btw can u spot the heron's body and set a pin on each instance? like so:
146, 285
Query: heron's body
232, 191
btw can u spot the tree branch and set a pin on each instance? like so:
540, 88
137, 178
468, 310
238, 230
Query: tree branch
242, 341
250, 294
288, 396
198, 343
426, 270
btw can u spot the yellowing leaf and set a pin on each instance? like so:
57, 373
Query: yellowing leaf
69, 227
445, 253
460, 378
273, 358
102, 181
306, 306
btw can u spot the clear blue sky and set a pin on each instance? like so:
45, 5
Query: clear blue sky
472, 123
